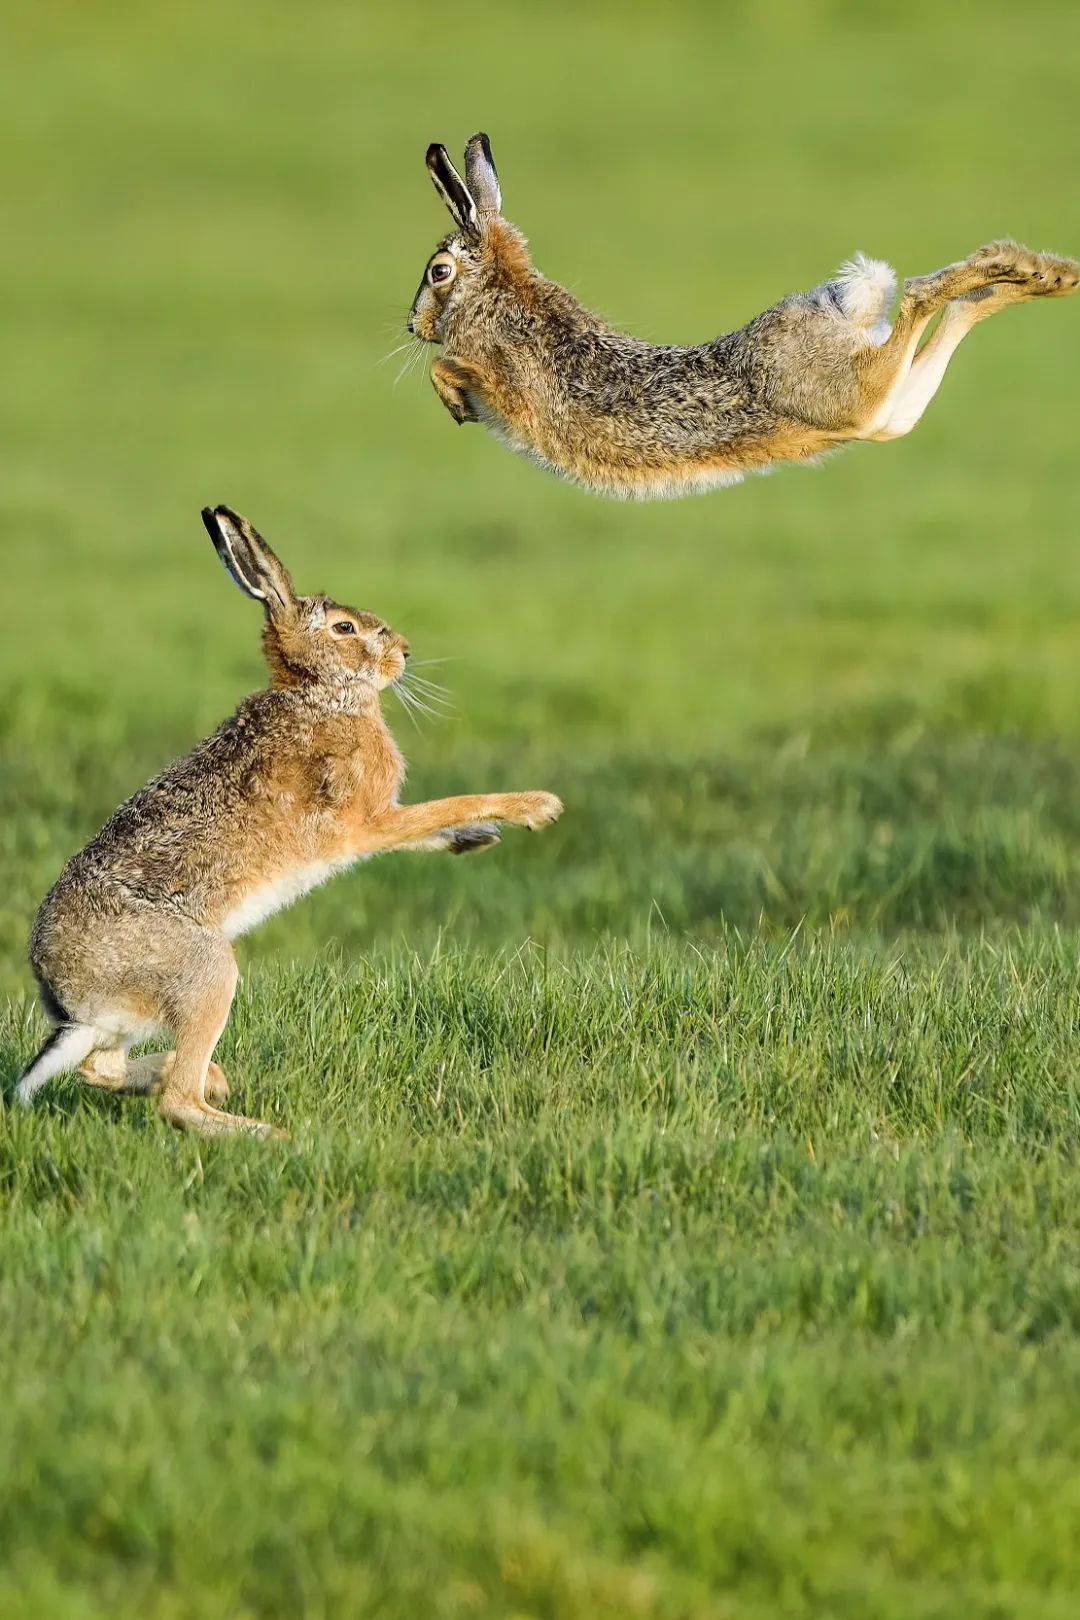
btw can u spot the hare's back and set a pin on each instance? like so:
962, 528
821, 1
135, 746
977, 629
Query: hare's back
181, 836
674, 397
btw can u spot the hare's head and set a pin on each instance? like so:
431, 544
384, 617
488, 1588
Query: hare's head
307, 640
478, 271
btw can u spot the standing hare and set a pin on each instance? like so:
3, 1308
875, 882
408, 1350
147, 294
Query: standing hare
628, 418
302, 781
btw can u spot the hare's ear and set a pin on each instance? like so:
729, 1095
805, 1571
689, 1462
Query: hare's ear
249, 560
452, 188
481, 176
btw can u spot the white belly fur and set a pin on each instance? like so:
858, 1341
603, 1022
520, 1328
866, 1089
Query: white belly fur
281, 891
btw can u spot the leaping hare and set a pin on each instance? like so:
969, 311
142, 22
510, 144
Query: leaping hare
628, 418
302, 781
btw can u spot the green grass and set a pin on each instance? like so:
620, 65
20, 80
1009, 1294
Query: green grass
680, 1212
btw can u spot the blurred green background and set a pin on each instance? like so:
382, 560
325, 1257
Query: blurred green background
718, 1253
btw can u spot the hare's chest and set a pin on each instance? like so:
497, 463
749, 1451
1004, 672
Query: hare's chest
311, 810
356, 774
510, 436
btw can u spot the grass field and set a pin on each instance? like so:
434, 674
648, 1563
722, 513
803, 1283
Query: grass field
680, 1217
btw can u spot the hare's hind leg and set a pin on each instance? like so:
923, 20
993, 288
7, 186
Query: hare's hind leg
106, 1068
922, 379
199, 1013
1051, 278
898, 379
113, 1070
884, 370
148, 1074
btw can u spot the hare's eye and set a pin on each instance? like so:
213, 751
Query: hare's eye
344, 627
441, 272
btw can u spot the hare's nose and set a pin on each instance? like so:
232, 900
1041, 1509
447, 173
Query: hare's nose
406, 651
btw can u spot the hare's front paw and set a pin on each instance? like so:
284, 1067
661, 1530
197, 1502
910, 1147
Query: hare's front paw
539, 810
449, 384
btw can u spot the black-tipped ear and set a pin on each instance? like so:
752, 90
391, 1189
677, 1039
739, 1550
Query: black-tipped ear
452, 188
481, 175
249, 560
229, 548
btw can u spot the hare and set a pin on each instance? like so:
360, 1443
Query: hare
303, 780
653, 420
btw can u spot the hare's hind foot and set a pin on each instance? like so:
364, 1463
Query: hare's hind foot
190, 1114
997, 264
900, 378
106, 1068
1041, 275
112, 1070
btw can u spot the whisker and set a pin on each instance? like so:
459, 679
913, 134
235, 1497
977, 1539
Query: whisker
405, 367
396, 350
421, 707
412, 346
421, 703
417, 696
422, 680
440, 700
426, 689
405, 704
412, 360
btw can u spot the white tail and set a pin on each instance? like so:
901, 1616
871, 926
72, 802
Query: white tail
65, 1049
865, 288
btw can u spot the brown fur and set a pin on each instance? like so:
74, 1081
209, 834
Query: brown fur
305, 776
629, 418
